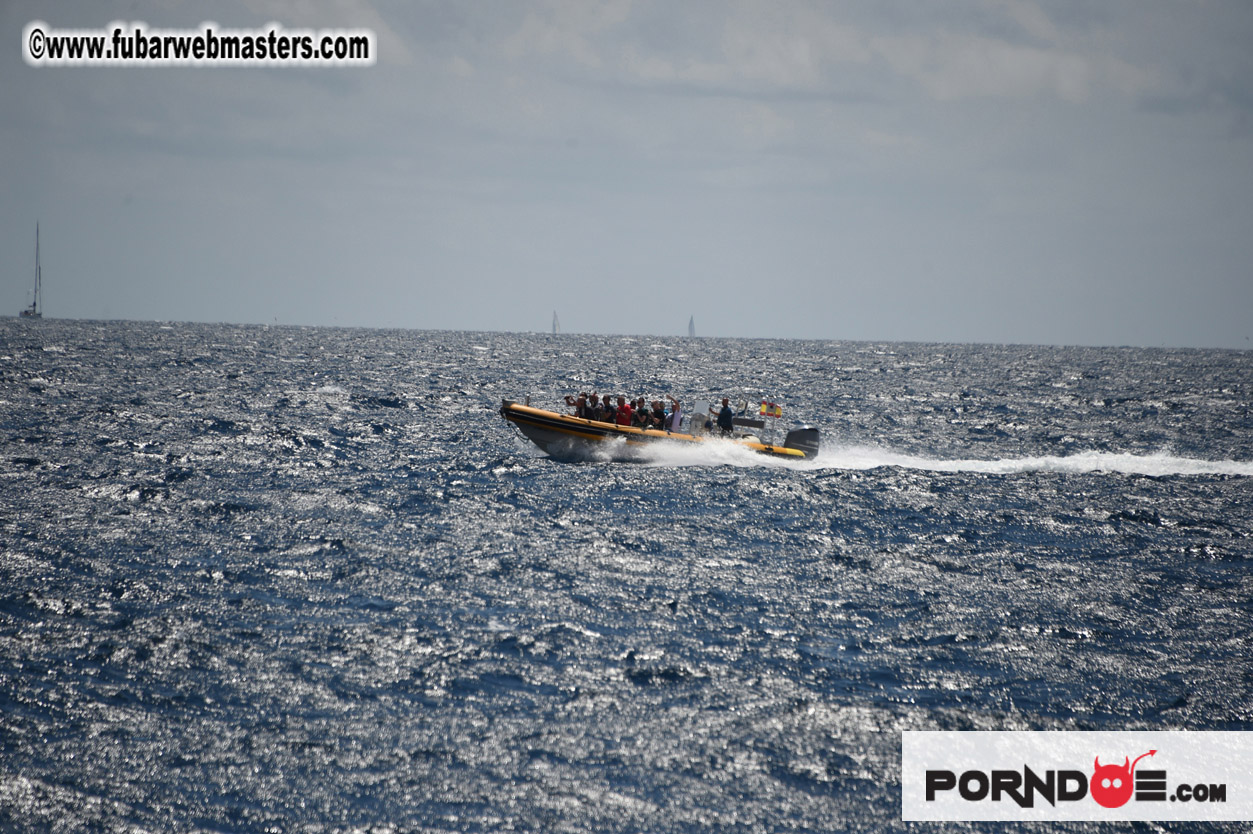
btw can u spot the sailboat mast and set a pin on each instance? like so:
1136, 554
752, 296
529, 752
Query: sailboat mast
32, 312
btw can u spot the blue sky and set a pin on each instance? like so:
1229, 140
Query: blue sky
971, 171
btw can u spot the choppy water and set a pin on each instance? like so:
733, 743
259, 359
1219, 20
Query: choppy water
259, 579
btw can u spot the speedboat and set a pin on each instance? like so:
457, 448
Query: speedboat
564, 436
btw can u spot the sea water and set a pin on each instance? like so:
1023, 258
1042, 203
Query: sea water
308, 579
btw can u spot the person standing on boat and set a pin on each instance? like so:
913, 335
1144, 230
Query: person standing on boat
674, 421
726, 418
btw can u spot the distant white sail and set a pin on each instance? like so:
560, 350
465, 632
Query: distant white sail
691, 327
35, 311
556, 324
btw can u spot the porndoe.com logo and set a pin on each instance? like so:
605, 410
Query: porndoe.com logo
1110, 785
1041, 776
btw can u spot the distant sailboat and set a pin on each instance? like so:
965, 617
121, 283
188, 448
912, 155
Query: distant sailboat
691, 327
34, 311
556, 324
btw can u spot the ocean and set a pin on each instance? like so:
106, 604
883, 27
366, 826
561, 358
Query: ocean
261, 579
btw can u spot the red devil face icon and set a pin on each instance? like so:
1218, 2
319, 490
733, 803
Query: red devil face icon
1111, 785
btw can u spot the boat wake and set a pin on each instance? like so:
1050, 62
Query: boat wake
1157, 464
852, 457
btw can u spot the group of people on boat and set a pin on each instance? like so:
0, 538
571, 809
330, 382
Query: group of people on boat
640, 414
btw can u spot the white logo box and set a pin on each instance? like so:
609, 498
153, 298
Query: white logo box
983, 775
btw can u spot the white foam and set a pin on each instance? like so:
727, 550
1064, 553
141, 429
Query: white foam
713, 452
851, 457
1156, 464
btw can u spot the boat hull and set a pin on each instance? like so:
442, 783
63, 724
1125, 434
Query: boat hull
567, 437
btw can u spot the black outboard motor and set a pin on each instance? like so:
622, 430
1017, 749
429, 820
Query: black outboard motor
805, 439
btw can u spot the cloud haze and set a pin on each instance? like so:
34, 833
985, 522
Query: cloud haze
987, 170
